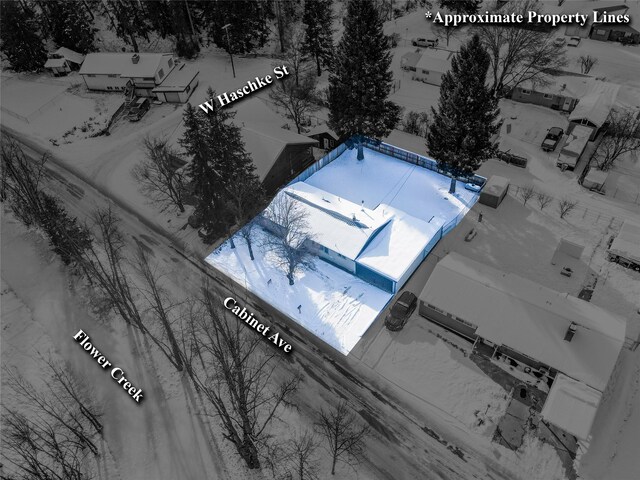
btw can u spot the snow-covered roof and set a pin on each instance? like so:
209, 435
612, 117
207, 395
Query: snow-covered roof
576, 140
265, 141
407, 141
529, 318
572, 406
319, 129
54, 63
573, 86
395, 248
410, 59
496, 185
70, 55
177, 80
627, 242
335, 222
596, 104
435, 60
122, 64
596, 176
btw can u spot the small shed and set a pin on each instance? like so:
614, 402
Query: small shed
178, 86
432, 65
595, 180
494, 191
327, 139
63, 61
625, 248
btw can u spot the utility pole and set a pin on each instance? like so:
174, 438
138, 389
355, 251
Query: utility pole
226, 28
193, 30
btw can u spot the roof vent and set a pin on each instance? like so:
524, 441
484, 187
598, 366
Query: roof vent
564, 85
135, 58
571, 331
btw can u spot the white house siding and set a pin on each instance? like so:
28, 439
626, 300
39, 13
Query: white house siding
429, 76
105, 82
336, 259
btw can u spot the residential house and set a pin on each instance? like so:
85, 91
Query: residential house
63, 61
429, 66
178, 85
278, 154
613, 32
594, 107
327, 138
114, 71
560, 92
561, 342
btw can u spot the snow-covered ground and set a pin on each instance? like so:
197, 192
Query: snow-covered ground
334, 305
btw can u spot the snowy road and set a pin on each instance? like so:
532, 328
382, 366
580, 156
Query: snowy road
406, 445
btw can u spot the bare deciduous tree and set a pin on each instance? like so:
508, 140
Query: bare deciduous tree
159, 173
543, 200
38, 448
586, 63
105, 267
237, 378
297, 101
344, 436
291, 235
160, 307
518, 54
247, 233
301, 450
622, 135
295, 60
21, 179
527, 193
565, 206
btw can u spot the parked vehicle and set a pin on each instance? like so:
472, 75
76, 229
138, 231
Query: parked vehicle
560, 41
550, 142
573, 147
138, 109
573, 42
431, 42
401, 311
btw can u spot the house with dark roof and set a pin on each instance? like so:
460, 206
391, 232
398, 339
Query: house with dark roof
560, 92
613, 32
278, 154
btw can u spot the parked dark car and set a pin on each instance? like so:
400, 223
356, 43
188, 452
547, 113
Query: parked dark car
401, 311
550, 142
138, 110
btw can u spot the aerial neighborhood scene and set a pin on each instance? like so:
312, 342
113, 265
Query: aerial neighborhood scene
318, 239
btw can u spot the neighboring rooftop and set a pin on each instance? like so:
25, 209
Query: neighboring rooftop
436, 60
529, 318
178, 79
596, 104
122, 64
627, 242
69, 55
573, 86
265, 142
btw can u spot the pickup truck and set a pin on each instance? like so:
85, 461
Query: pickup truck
550, 142
425, 42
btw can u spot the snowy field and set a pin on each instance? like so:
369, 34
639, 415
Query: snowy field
335, 306
380, 179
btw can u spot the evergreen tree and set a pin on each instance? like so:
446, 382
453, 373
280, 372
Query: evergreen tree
128, 20
248, 30
70, 25
21, 42
461, 6
459, 137
171, 18
67, 237
219, 161
318, 20
360, 79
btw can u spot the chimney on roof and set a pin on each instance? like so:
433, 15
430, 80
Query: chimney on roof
135, 58
571, 331
564, 85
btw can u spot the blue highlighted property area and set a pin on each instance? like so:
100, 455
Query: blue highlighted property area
368, 224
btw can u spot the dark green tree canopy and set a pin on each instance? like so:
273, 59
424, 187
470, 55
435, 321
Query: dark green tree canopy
360, 80
21, 42
318, 21
459, 138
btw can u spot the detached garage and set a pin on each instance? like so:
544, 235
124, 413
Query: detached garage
494, 191
178, 86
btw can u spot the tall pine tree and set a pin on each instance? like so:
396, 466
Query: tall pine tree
459, 138
360, 79
21, 42
219, 163
318, 43
70, 25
